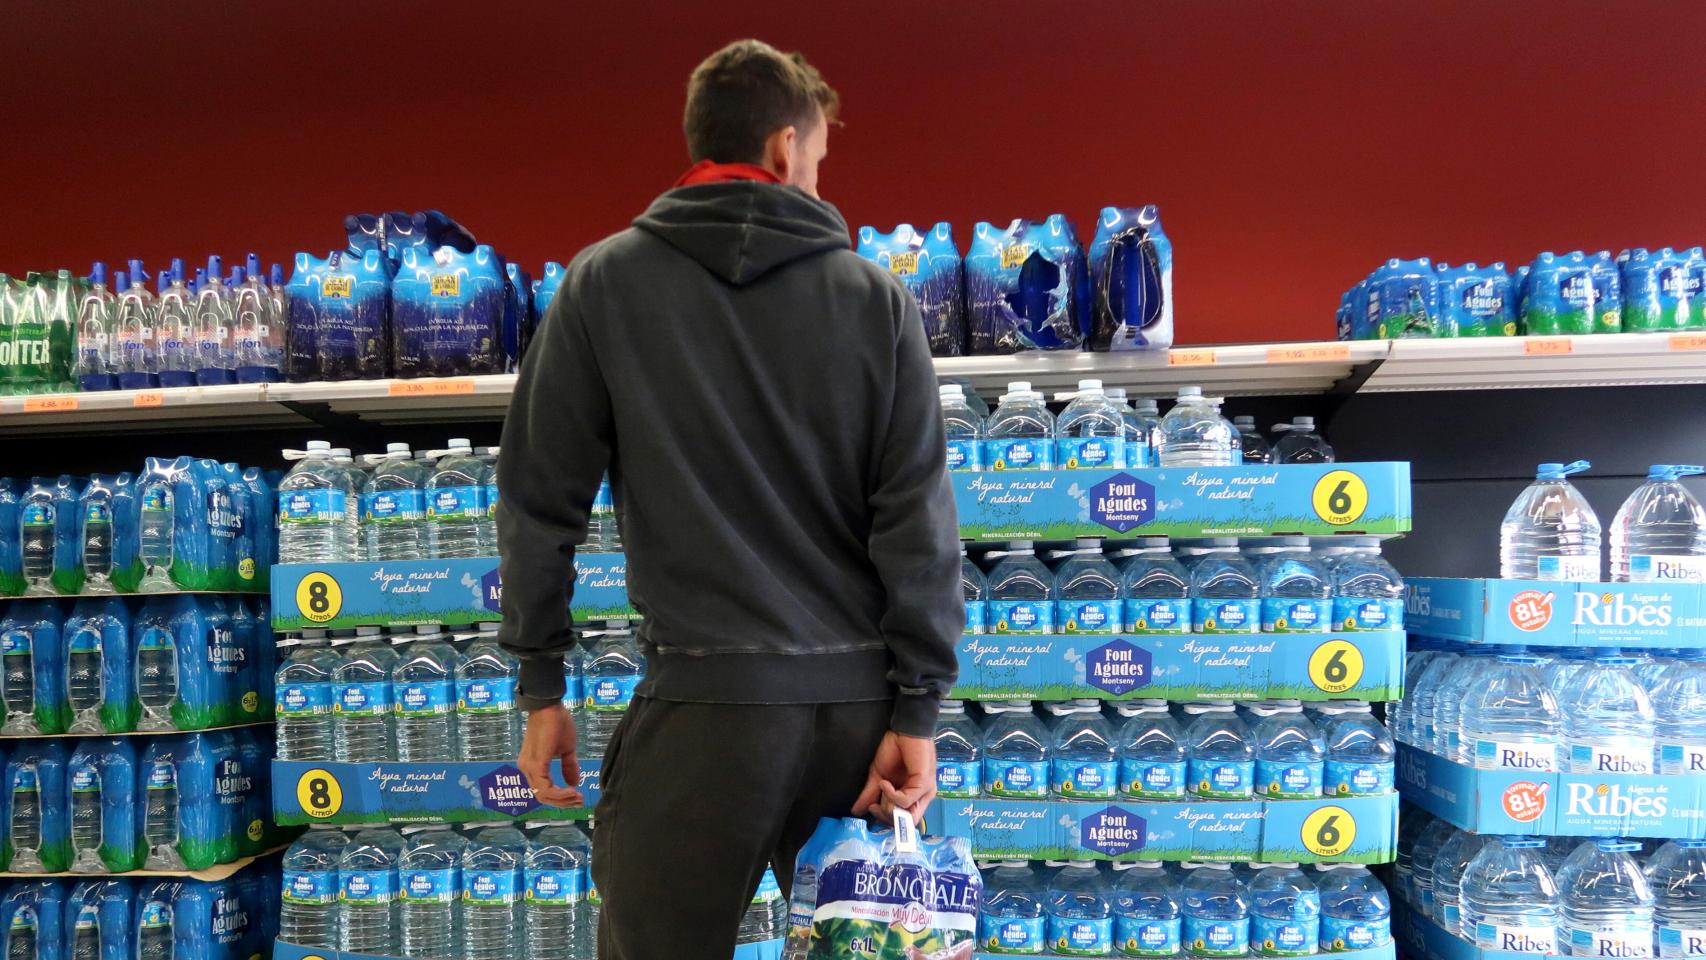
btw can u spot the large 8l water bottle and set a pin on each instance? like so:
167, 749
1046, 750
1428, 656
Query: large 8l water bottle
1155, 589
1302, 444
1151, 751
1422, 856
429, 892
488, 725
1136, 432
1148, 915
1224, 591
491, 894
1253, 445
367, 892
1217, 912
1194, 434
611, 673
1356, 911
1447, 871
1290, 753
308, 905
959, 752
313, 508
1510, 899
1550, 532
1021, 592
1020, 433
1084, 758
963, 427
1090, 434
1679, 717
1423, 697
1087, 591
1677, 873
1080, 911
1607, 719
1606, 903
1220, 753
362, 723
423, 694
1015, 752
603, 532
1510, 719
1013, 915
1285, 912
556, 869
302, 699
456, 508
1454, 689
393, 507
1659, 534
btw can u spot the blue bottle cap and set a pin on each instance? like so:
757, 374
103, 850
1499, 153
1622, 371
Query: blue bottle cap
1691, 844
98, 273
1616, 845
1670, 471
121, 282
137, 274
238, 275
1558, 471
177, 269
252, 265
215, 266
277, 275
1522, 841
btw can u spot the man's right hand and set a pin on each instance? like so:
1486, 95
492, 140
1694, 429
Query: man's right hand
551, 736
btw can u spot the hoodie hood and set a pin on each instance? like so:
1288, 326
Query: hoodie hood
742, 230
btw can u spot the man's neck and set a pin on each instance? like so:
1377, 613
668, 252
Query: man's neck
709, 171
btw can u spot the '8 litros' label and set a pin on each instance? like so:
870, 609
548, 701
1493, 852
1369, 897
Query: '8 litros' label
1351, 778
1147, 938
1296, 615
1226, 616
1070, 937
958, 778
307, 507
1283, 938
965, 455
1021, 616
1028, 454
490, 695
610, 694
1088, 616
1089, 453
1338, 933
1022, 935
1288, 781
1352, 614
1087, 779
1221, 780
1624, 938
1158, 616
976, 615
1216, 938
1015, 778
1666, 568
1152, 779
1618, 755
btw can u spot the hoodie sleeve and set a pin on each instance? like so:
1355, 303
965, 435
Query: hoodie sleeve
914, 540
556, 446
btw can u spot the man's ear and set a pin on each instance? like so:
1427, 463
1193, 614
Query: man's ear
779, 152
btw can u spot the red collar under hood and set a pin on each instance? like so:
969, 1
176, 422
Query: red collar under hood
709, 171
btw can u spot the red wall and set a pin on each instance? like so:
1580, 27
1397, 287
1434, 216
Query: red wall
1291, 146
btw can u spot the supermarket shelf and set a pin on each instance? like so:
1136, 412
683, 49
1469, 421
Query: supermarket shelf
1605, 360
218, 871
129, 733
1242, 370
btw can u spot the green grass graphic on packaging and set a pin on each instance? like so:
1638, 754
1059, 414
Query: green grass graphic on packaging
126, 578
1250, 524
118, 858
120, 717
1164, 691
52, 719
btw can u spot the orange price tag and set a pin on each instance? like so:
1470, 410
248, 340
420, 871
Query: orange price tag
1190, 358
1548, 346
431, 388
1688, 341
1321, 352
150, 398
50, 404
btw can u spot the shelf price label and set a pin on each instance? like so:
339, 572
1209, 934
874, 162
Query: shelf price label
1329, 832
1190, 358
53, 404
1335, 666
148, 398
1548, 346
454, 386
319, 794
318, 597
1688, 341
1318, 353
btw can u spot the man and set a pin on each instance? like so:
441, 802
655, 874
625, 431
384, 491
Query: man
766, 406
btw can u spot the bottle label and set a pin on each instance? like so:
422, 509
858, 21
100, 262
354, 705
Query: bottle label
489, 495
370, 699
86, 640
1682, 941
1538, 757
158, 499
97, 512
965, 455
37, 514
489, 886
610, 694
492, 695
1089, 453
1293, 615
572, 690
1081, 937
85, 779
1221, 780
15, 643
163, 776
1283, 938
1021, 616
1567, 568
428, 886
303, 699
1451, 914
1153, 780
393, 506
1341, 933
1036, 453
1682, 758
1666, 568
455, 503
1158, 616
1226, 616
561, 887
975, 616
1137, 454
1023, 779
1148, 938
1624, 939
1086, 779
958, 778
367, 886
1216, 938
155, 640
309, 507
1537, 939
1622, 755
155, 916
315, 888
1354, 778
1279, 780
1088, 616
1353, 615
1012, 934
431, 698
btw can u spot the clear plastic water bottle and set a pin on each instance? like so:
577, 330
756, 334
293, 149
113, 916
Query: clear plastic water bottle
574, 685
1297, 589
455, 503
1550, 532
964, 429
429, 892
1356, 911
1220, 752
1605, 902
1084, 760
1423, 697
1148, 916
154, 933
762, 921
1301, 444
24, 825
603, 534
84, 778
36, 517
1398, 711
1194, 434
1216, 906
558, 859
363, 728
492, 892
393, 507
1422, 858
135, 325
1557, 850
355, 478
959, 752
1368, 593
1650, 672
1453, 690
423, 695
487, 722
313, 502
974, 589
1510, 720
1013, 916
1155, 589
1080, 911
1509, 898
1607, 719
1090, 434
1136, 431
96, 369
1021, 591
1015, 752
1285, 912
1410, 828
1254, 446
613, 670
308, 902
1447, 872
159, 814
1677, 874
1659, 533
1361, 758
367, 892
1151, 748
214, 323
302, 698
1020, 433
1087, 591
174, 341
1679, 716
1225, 590
1149, 415
1290, 752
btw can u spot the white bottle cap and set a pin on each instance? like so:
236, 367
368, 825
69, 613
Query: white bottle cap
1019, 386
1190, 392
950, 390
316, 445
460, 443
1303, 423
401, 448
340, 452
1089, 386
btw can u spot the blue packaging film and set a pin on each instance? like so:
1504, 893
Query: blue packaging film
1475, 301
340, 315
32, 628
256, 658
110, 499
68, 571
107, 766
1403, 300
1027, 287
100, 627
186, 764
930, 267
35, 773
1131, 281
447, 313
1661, 289
264, 506
173, 632
1573, 294
11, 555
102, 910
219, 523
254, 828
545, 288
32, 919
518, 316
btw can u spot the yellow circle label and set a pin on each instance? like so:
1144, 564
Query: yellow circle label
251, 702
254, 831
318, 597
1335, 666
1329, 832
319, 794
1340, 497
246, 568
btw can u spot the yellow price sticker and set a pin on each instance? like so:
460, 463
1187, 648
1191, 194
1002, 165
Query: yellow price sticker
319, 794
1340, 497
1329, 832
1335, 666
318, 597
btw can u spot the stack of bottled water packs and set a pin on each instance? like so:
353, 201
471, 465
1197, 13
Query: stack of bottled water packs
149, 918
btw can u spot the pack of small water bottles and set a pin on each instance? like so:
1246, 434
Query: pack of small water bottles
148, 918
